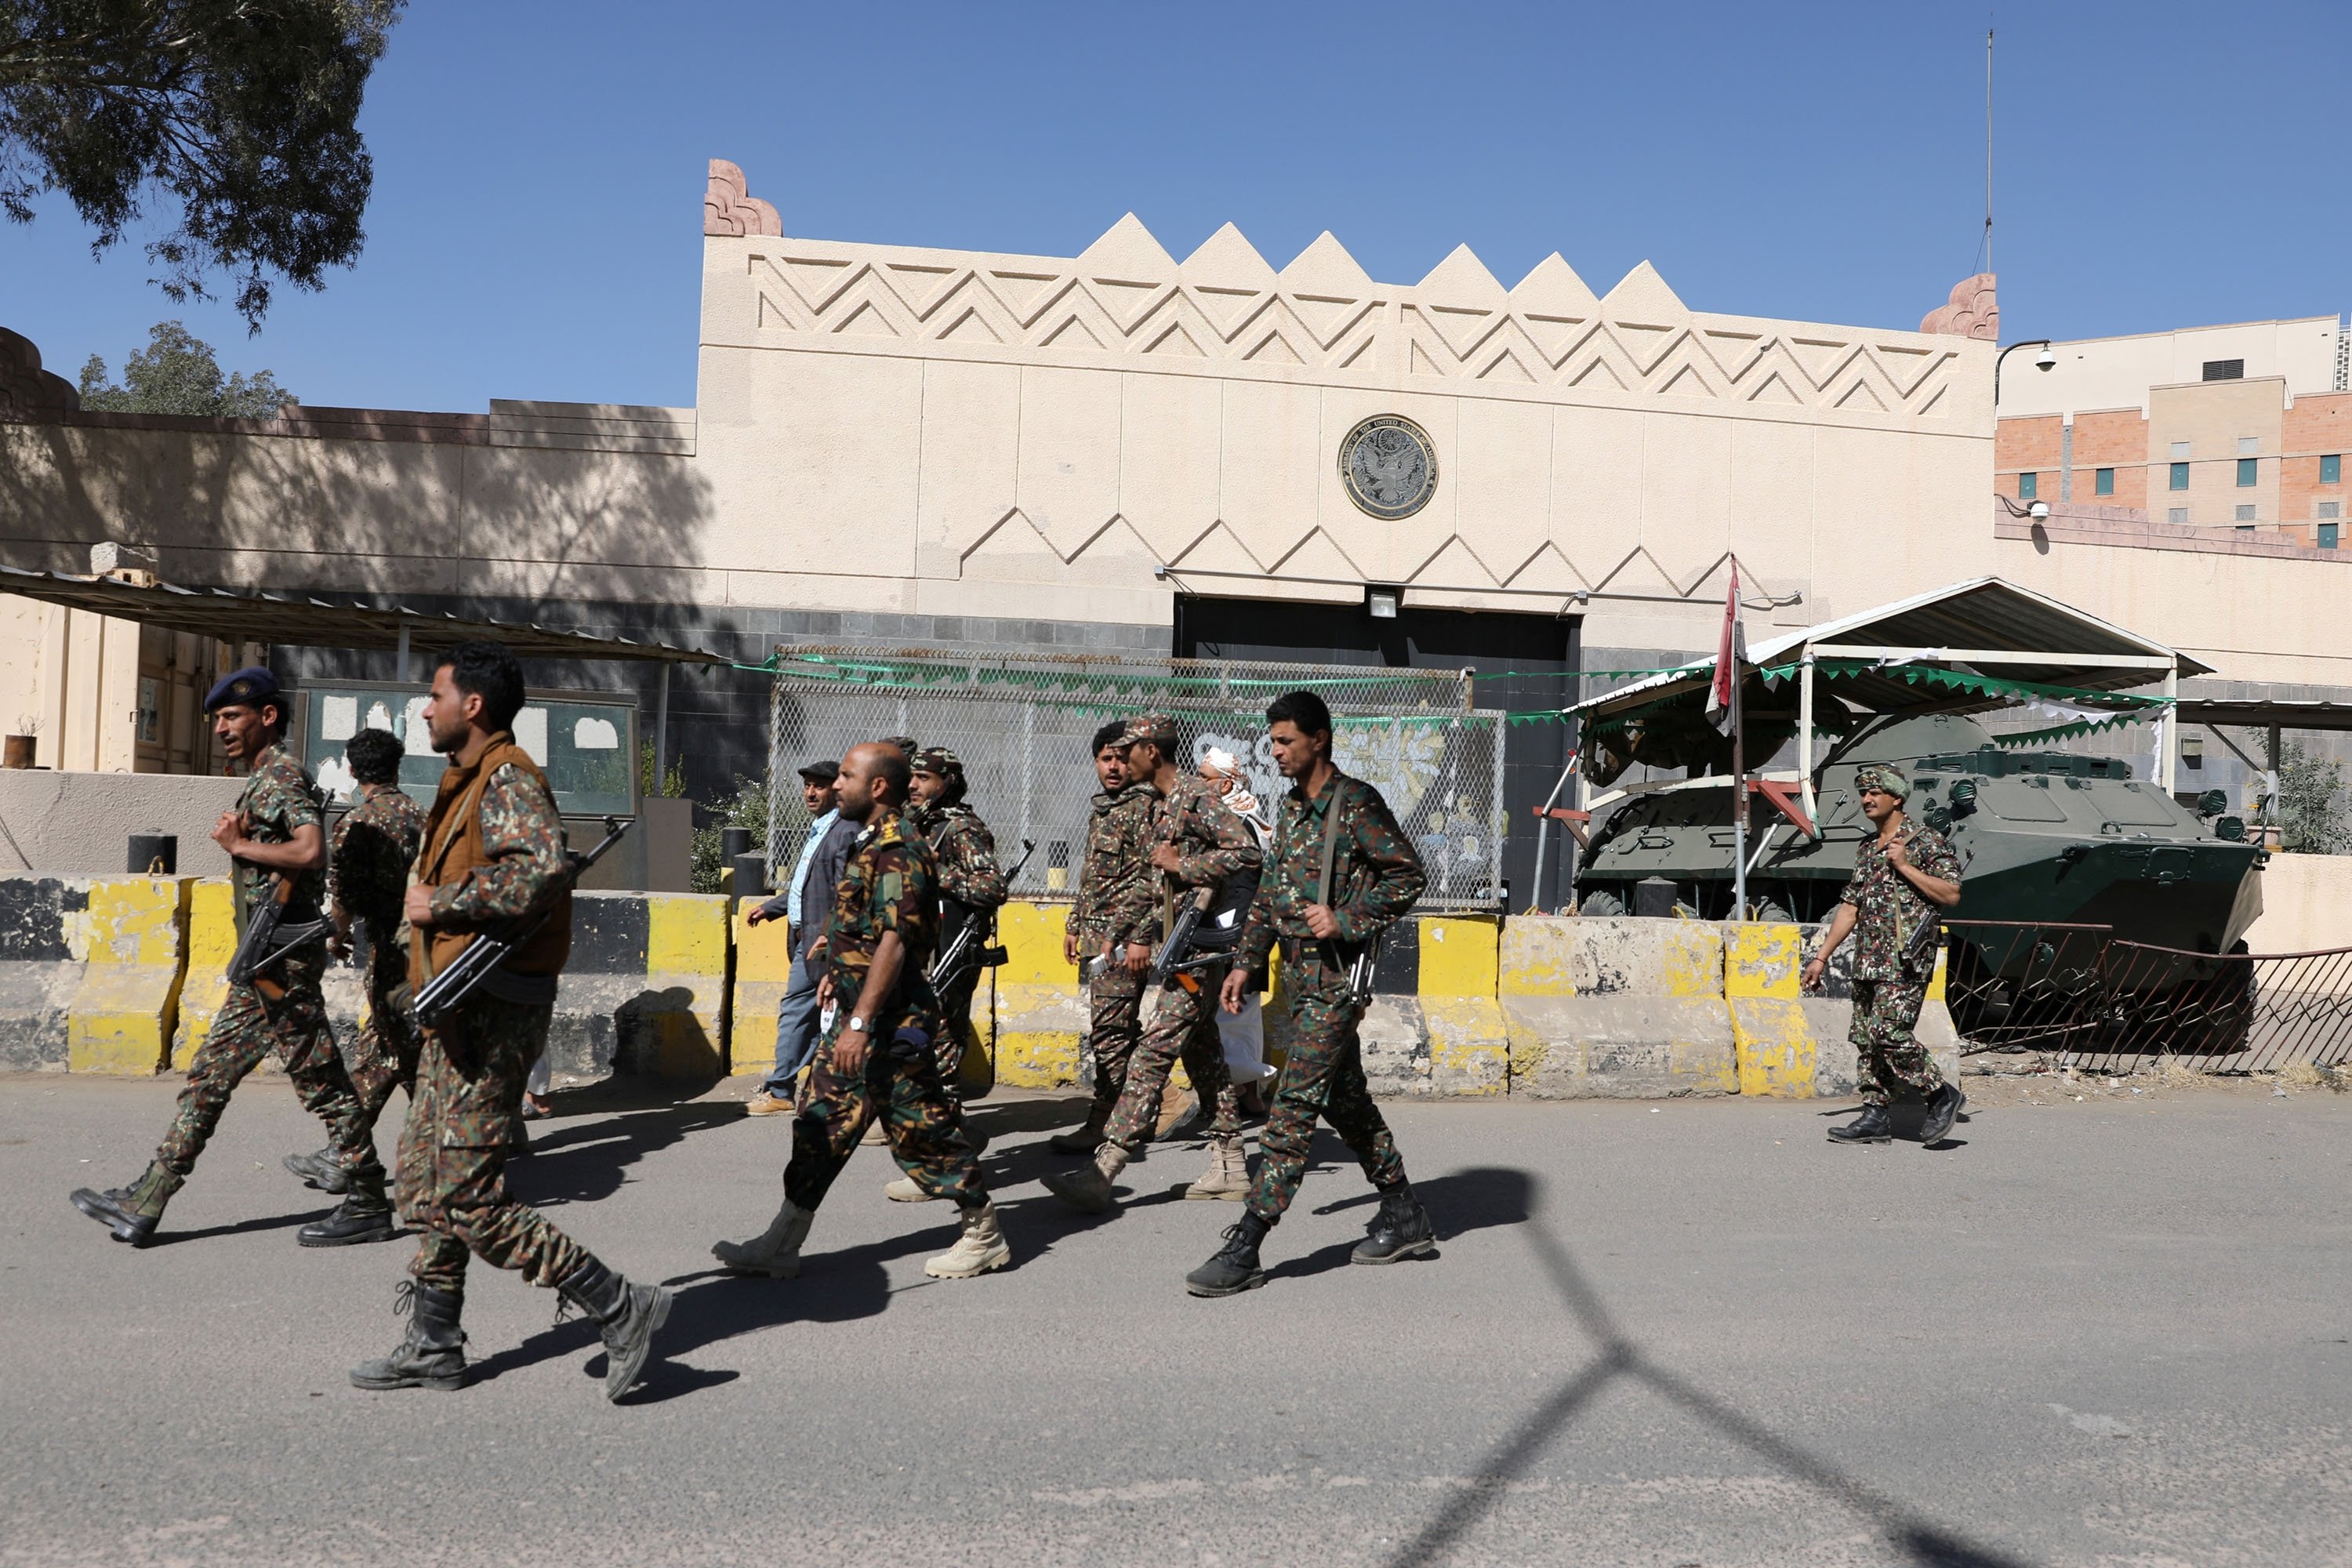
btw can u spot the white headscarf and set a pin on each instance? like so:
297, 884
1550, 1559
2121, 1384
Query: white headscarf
1239, 800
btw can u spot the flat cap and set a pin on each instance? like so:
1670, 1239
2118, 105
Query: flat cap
242, 688
820, 772
939, 761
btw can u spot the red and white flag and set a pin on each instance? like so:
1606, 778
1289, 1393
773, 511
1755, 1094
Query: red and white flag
1731, 654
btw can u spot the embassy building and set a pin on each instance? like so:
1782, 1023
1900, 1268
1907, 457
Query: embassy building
1125, 452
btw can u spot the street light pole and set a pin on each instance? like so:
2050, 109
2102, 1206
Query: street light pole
2047, 361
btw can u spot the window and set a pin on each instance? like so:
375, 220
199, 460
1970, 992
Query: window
2178, 516
2246, 466
2245, 527
2026, 485
2245, 514
2181, 453
2103, 482
2250, 445
2331, 508
2327, 535
151, 710
2181, 476
2225, 370
2331, 469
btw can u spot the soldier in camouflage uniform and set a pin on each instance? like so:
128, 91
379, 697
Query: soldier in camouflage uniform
493, 853
972, 888
1902, 879
879, 1057
275, 831
1197, 844
1340, 869
367, 877
1109, 929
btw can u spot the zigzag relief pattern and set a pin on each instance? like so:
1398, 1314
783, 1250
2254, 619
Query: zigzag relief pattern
1125, 296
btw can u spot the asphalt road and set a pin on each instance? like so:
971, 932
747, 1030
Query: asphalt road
2111, 1332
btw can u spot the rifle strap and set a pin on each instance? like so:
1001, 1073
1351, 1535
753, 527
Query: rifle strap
1330, 838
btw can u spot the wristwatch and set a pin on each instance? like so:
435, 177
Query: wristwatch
858, 1023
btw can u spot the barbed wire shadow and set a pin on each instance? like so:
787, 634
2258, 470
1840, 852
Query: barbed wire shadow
1917, 1539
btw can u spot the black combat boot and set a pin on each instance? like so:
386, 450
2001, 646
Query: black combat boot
627, 1314
1401, 1229
1943, 1110
131, 1212
1235, 1269
1870, 1127
364, 1214
320, 1170
432, 1355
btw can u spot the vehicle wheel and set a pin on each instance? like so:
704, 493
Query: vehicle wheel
1602, 905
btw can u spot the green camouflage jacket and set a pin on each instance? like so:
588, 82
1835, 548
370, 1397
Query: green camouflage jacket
890, 884
966, 853
279, 800
1212, 843
1118, 891
374, 844
1888, 909
523, 836
1376, 873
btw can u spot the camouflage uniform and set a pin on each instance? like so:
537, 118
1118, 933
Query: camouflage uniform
367, 877
1888, 989
1214, 845
278, 799
891, 884
466, 1111
1116, 905
1376, 875
972, 886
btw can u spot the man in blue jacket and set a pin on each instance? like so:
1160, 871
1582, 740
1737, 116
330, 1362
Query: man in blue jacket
805, 903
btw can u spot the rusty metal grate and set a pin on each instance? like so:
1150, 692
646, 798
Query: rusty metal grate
2101, 1002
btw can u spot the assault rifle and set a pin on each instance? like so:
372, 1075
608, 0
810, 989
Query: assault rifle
442, 995
268, 937
952, 958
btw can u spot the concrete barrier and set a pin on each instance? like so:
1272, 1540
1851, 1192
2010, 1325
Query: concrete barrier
763, 967
1469, 1038
1615, 1009
1792, 1045
645, 990
89, 970
1040, 1016
212, 942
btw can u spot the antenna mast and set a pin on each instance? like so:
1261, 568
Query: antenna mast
1988, 228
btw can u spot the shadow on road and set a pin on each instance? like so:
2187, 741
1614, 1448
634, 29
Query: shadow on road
1617, 1356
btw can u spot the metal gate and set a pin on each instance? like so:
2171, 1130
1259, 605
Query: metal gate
1024, 727
2105, 1004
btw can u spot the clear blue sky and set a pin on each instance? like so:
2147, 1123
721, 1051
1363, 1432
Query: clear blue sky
536, 226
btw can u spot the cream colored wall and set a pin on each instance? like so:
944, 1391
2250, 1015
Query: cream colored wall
954, 432
2266, 618
2116, 372
2306, 904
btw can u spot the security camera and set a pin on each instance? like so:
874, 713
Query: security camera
2039, 511
2045, 360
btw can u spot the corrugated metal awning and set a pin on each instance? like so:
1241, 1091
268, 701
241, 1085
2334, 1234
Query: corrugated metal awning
307, 622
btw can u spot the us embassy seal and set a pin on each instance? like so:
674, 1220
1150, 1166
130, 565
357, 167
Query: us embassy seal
1389, 467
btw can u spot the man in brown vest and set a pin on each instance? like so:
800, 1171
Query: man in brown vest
493, 851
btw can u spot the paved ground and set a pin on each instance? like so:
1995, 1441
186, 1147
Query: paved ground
2111, 1332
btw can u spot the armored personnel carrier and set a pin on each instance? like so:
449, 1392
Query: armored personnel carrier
2046, 839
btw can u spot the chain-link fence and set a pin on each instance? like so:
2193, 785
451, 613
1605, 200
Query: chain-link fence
1023, 726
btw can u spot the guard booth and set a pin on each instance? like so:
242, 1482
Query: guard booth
588, 741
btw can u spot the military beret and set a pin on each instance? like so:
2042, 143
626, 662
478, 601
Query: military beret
1883, 777
905, 744
1155, 727
938, 760
242, 689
